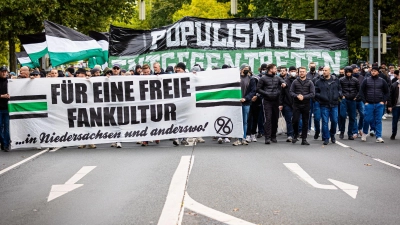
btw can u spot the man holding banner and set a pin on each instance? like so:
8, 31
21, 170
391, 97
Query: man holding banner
4, 114
269, 86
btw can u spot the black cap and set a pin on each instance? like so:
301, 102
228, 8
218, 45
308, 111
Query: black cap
92, 71
263, 66
354, 66
34, 73
375, 68
320, 68
292, 68
71, 70
3, 68
80, 70
181, 65
348, 69
169, 69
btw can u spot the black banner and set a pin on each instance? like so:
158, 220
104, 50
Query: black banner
231, 34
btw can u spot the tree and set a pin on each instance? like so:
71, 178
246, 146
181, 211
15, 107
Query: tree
25, 17
162, 11
213, 10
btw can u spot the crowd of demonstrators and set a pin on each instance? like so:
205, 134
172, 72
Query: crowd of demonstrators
362, 95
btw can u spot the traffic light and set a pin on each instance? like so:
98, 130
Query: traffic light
386, 43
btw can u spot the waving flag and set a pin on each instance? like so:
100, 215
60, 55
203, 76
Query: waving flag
102, 40
24, 60
35, 45
68, 45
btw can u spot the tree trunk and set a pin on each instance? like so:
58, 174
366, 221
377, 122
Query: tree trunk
12, 58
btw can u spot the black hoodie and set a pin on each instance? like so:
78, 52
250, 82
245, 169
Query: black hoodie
3, 90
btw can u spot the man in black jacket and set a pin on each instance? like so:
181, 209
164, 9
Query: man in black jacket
286, 101
350, 89
269, 87
374, 92
302, 91
327, 93
394, 106
4, 114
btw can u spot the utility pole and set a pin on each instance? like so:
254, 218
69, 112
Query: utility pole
379, 37
371, 31
315, 9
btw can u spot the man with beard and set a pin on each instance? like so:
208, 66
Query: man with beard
269, 87
374, 92
286, 100
302, 90
327, 93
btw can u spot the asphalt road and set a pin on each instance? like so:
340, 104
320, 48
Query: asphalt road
251, 183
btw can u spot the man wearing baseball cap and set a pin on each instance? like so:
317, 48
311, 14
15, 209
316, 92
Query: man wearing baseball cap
4, 114
374, 92
116, 70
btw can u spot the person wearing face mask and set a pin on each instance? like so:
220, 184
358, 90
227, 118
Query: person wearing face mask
350, 88
286, 101
315, 109
327, 93
263, 72
374, 92
396, 76
312, 73
248, 88
301, 90
357, 130
269, 87
255, 106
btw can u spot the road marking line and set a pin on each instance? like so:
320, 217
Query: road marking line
22, 162
171, 213
347, 188
62, 189
296, 169
387, 163
341, 144
212, 213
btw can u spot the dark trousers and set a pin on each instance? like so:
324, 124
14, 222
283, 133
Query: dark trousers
302, 111
252, 121
271, 116
347, 108
5, 128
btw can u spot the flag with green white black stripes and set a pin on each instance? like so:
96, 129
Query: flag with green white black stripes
227, 94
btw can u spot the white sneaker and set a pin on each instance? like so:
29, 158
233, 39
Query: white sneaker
114, 144
248, 139
244, 142
119, 145
309, 132
184, 142
384, 117
289, 139
226, 140
364, 137
253, 138
379, 140
372, 133
389, 115
338, 132
200, 140
220, 141
236, 143
189, 139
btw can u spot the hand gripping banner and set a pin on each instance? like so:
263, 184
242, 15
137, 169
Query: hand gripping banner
78, 111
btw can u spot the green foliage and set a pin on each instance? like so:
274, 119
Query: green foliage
214, 10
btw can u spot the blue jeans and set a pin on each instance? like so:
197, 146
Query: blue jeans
373, 114
332, 115
347, 107
5, 128
261, 121
395, 119
287, 112
245, 114
317, 117
360, 109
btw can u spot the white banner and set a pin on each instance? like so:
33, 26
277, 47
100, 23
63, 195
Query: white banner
75, 111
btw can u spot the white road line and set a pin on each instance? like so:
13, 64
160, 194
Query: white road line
174, 202
347, 188
387, 163
341, 144
213, 214
62, 189
296, 169
22, 162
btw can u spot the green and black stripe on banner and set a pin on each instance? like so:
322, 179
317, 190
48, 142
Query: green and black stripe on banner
27, 107
218, 95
